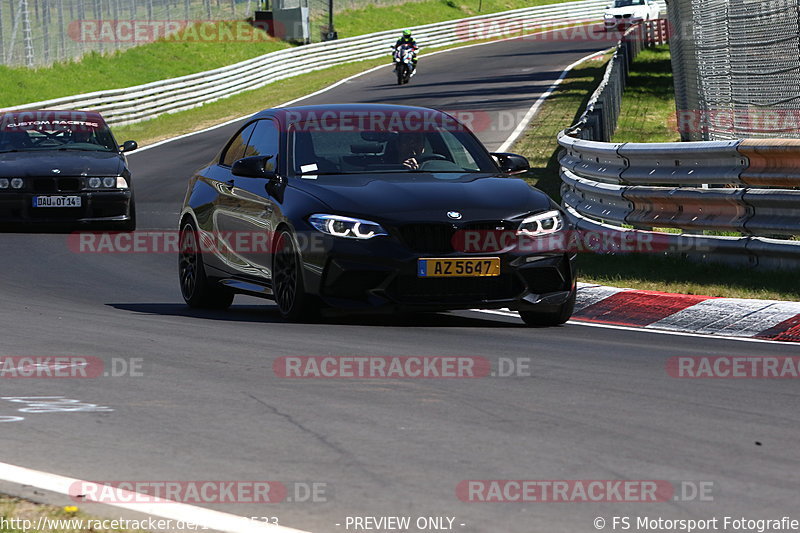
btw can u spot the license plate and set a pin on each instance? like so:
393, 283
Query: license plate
461, 267
56, 201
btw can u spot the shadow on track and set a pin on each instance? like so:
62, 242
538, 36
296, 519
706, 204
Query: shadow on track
268, 314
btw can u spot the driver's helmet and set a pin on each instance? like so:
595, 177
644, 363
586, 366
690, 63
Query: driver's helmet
406, 34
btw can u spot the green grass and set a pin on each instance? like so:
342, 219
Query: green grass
15, 510
682, 276
177, 57
142, 64
648, 108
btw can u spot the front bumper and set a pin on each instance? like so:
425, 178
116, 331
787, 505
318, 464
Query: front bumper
96, 207
622, 23
381, 275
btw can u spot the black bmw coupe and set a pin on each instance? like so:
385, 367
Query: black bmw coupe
63, 168
371, 208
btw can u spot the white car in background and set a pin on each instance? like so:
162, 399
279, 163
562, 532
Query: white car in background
623, 13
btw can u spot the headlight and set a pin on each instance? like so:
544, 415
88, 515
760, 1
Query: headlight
4, 183
17, 183
541, 224
351, 228
608, 16
107, 182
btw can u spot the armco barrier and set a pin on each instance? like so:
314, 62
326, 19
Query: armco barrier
696, 187
134, 104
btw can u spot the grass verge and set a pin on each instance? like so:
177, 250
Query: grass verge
21, 516
648, 108
682, 276
186, 53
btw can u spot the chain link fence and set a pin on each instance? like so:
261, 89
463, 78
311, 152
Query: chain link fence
36, 33
736, 65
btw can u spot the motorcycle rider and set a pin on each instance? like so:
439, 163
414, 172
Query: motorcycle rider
407, 39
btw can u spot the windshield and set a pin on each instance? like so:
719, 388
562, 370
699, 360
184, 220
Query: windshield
342, 149
627, 3
50, 131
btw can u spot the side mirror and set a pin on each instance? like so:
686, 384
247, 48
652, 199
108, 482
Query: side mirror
253, 167
128, 146
511, 163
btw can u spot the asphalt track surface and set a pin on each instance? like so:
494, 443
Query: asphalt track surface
598, 403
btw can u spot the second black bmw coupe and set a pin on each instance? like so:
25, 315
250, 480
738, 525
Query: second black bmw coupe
371, 208
63, 168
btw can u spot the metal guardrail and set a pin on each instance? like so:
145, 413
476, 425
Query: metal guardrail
134, 104
627, 189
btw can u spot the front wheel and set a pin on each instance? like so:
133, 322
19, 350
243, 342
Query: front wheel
197, 290
287, 281
406, 73
551, 318
401, 73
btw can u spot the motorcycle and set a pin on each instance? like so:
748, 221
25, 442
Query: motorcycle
403, 64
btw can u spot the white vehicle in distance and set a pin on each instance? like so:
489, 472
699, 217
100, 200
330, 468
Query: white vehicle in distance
624, 13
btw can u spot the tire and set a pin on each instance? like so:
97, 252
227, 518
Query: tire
400, 73
555, 318
294, 304
197, 290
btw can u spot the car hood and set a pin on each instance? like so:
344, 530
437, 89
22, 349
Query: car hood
69, 163
426, 197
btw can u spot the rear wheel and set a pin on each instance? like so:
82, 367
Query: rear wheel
287, 281
198, 291
552, 318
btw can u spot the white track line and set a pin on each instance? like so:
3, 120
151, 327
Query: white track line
523, 124
179, 512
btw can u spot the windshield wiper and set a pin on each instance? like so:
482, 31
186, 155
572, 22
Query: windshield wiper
329, 173
101, 149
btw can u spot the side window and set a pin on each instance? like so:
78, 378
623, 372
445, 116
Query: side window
265, 140
235, 149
